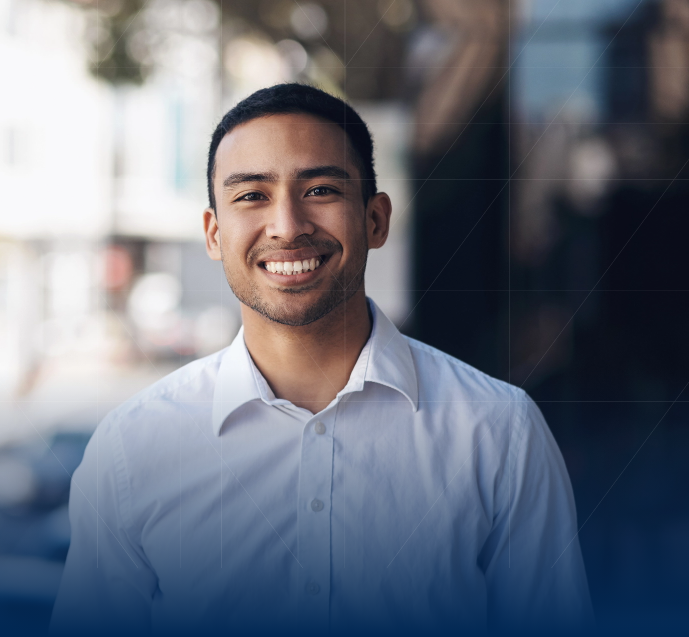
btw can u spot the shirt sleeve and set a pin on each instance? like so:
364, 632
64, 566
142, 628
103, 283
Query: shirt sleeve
535, 575
107, 585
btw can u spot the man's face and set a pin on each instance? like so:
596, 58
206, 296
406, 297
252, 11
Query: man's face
291, 227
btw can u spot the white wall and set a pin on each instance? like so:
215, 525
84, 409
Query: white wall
54, 126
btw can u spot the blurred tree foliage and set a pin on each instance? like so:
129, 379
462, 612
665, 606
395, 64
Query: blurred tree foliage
361, 42
108, 36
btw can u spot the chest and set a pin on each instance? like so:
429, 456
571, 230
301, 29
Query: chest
335, 512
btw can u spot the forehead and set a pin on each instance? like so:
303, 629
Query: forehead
282, 143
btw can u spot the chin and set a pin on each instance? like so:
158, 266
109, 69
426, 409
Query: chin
298, 306
295, 316
297, 311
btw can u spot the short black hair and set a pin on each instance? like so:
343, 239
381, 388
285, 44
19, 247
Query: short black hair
300, 98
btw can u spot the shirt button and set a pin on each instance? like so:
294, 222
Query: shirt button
320, 428
316, 505
312, 588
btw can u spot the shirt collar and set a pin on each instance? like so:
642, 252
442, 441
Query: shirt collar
390, 361
386, 359
235, 384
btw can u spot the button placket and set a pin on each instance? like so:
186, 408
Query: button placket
312, 588
315, 485
316, 505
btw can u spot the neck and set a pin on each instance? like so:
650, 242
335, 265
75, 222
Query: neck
309, 365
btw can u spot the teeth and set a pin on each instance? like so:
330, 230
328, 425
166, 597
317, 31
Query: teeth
292, 267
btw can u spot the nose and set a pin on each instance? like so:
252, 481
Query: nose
288, 220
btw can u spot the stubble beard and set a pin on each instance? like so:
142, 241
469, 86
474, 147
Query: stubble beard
342, 288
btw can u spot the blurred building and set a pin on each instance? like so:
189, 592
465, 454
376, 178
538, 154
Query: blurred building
597, 280
91, 174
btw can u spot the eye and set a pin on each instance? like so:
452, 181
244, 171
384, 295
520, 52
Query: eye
320, 191
251, 196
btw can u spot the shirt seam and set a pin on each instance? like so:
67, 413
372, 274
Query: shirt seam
124, 490
121, 476
520, 397
164, 392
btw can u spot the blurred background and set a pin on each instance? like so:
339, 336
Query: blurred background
535, 152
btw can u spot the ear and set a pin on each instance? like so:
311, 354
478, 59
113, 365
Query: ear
378, 213
212, 232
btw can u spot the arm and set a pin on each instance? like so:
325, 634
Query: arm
534, 569
107, 585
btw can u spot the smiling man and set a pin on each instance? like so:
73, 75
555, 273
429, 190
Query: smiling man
324, 474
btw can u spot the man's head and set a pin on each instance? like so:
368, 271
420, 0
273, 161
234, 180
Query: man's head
284, 99
293, 213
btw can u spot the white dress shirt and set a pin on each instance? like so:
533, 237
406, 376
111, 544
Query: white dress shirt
426, 496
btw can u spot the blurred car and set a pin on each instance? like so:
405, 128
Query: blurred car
34, 527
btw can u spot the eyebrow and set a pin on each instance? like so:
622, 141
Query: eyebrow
321, 171
235, 179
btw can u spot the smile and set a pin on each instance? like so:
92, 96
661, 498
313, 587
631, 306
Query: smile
292, 268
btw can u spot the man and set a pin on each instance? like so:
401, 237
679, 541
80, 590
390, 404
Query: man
323, 474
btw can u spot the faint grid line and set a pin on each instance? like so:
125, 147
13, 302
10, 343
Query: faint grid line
458, 66
500, 191
344, 472
180, 491
390, 179
316, 30
509, 282
523, 160
502, 66
621, 472
576, 88
179, 361
473, 451
604, 273
483, 214
430, 402
476, 112
129, 24
682, 290
370, 33
222, 289
129, 333
210, 442
314, 360
98, 383
76, 485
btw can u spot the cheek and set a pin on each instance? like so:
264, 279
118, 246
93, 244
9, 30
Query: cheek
236, 240
353, 233
348, 222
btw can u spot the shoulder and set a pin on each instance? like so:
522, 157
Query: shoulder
185, 388
463, 393
437, 369
149, 428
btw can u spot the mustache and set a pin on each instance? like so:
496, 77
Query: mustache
324, 245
